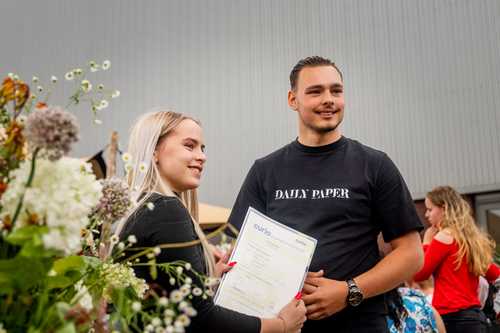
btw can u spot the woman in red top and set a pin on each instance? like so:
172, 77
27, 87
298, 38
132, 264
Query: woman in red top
456, 254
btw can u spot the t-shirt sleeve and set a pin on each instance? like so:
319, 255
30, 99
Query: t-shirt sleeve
492, 273
393, 206
170, 223
251, 194
434, 254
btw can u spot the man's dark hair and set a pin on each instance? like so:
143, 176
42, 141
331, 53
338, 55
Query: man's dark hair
313, 61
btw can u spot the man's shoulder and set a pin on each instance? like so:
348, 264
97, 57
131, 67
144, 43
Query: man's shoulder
364, 149
274, 156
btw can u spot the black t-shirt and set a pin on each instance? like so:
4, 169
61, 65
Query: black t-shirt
170, 222
343, 194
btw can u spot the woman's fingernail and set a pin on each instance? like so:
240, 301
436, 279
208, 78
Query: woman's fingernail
298, 296
232, 263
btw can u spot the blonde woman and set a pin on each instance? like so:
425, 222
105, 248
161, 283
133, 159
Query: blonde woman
167, 153
456, 254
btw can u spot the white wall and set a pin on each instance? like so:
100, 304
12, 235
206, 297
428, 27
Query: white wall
421, 76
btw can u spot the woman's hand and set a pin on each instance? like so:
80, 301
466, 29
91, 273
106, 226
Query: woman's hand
429, 234
222, 266
293, 315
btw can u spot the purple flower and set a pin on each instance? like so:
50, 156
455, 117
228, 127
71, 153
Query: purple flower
115, 201
52, 130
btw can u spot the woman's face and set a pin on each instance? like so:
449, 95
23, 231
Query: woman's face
180, 157
433, 213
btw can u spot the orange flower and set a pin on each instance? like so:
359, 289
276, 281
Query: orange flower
41, 105
14, 90
7, 91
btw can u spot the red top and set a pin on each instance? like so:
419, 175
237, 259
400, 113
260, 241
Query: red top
454, 290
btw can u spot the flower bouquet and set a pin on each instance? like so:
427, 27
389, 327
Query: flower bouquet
61, 267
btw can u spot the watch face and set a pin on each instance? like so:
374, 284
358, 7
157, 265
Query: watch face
355, 298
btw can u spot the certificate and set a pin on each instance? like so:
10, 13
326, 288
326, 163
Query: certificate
272, 261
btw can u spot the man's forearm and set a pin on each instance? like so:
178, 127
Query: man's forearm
400, 265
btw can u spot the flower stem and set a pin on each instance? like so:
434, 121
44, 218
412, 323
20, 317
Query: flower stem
28, 185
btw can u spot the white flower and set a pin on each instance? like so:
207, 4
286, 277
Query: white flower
11, 75
179, 270
132, 239
156, 250
143, 167
169, 329
115, 94
156, 322
209, 292
185, 289
187, 266
103, 104
121, 246
163, 301
184, 320
100, 87
15, 77
171, 281
169, 313
83, 297
22, 119
39, 88
183, 305
77, 71
191, 312
53, 79
129, 167
35, 79
150, 205
69, 76
176, 296
98, 121
106, 64
197, 291
86, 86
136, 306
114, 239
126, 157
188, 280
2, 330
93, 66
52, 273
64, 215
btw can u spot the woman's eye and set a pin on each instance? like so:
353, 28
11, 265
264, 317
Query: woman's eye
189, 146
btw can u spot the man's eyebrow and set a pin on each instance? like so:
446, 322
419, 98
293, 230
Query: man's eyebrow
320, 86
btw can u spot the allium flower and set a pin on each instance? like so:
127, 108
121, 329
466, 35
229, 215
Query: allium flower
115, 94
53, 130
65, 215
132, 239
114, 202
53, 79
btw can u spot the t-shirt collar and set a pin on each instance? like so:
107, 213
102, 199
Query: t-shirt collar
319, 149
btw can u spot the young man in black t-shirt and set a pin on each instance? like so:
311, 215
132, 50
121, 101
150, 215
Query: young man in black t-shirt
343, 194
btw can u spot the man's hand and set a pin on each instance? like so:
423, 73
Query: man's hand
323, 297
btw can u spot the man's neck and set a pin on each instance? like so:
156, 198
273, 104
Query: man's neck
314, 139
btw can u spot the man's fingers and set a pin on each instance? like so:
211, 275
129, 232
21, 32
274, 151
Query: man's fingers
308, 288
315, 274
314, 281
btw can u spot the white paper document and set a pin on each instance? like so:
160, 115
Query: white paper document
272, 261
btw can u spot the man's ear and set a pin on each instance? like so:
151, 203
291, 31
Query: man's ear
292, 100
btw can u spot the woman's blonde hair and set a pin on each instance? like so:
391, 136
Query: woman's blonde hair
146, 135
475, 245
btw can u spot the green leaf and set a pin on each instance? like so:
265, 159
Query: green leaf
71, 263
69, 327
25, 234
21, 273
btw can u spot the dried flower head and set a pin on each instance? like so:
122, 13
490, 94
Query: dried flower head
52, 130
114, 202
